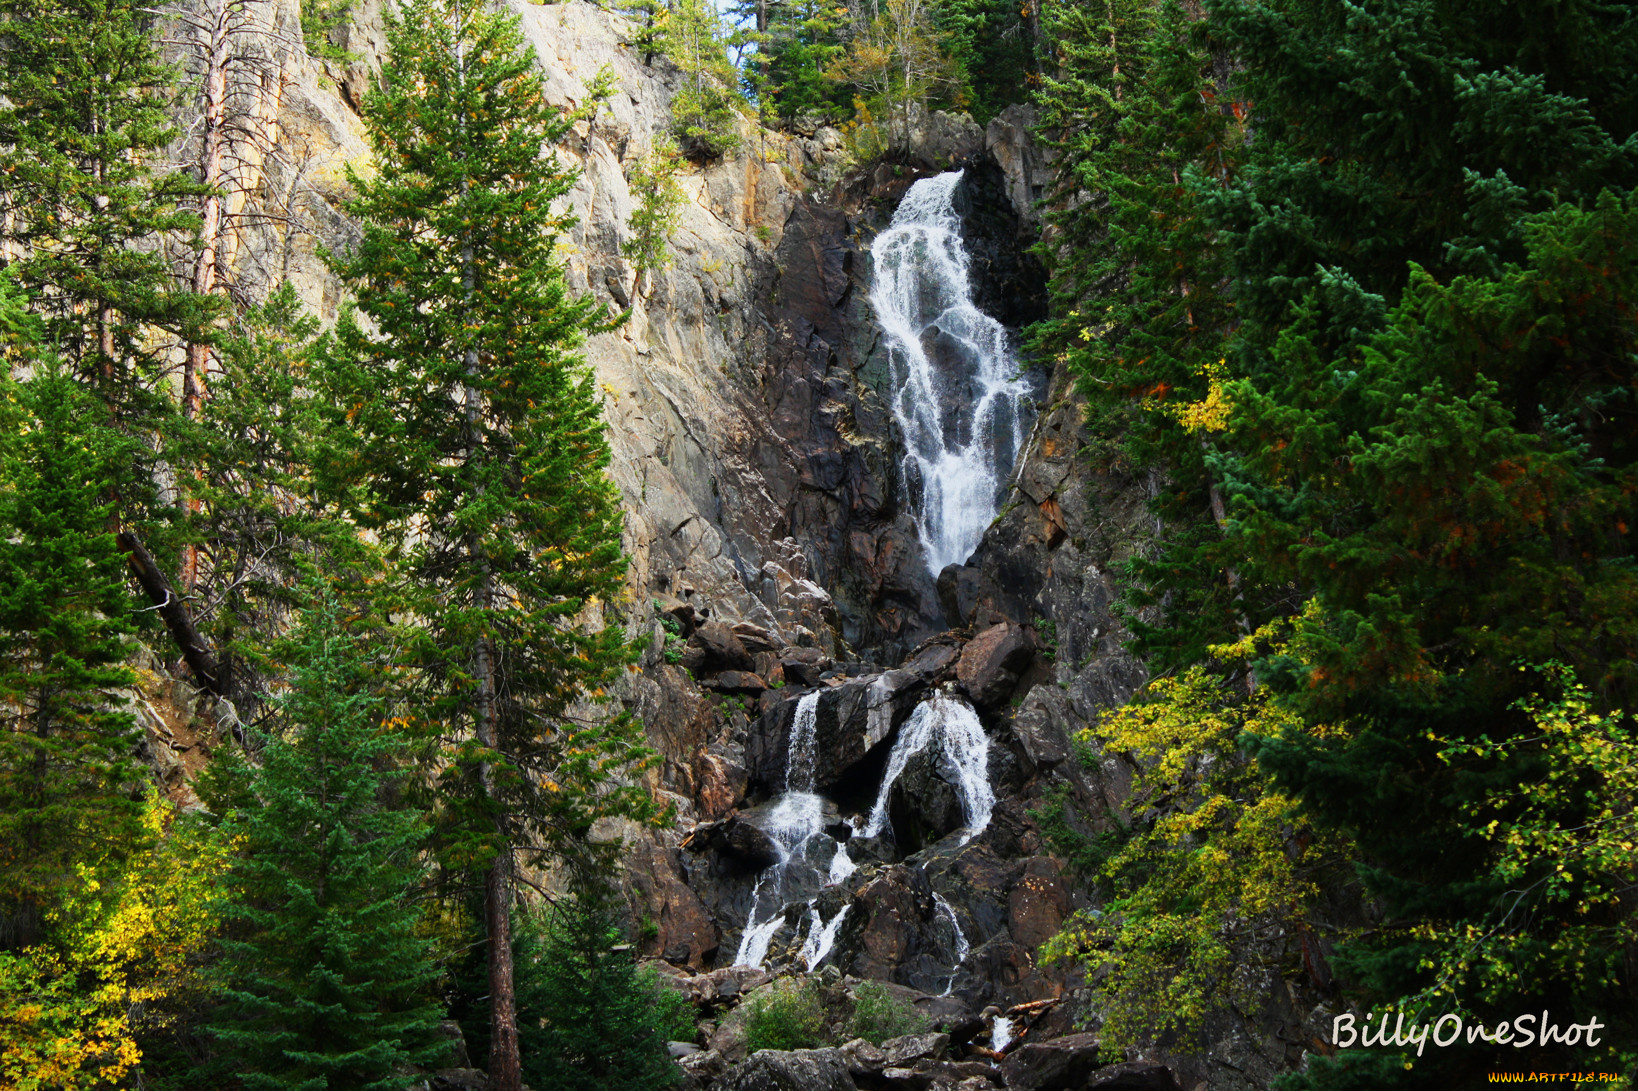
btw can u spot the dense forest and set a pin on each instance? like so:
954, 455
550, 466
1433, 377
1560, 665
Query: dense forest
1353, 285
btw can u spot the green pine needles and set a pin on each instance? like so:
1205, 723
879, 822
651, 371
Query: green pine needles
329, 977
69, 785
477, 457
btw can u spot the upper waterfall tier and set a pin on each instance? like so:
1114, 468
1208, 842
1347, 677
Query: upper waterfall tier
961, 399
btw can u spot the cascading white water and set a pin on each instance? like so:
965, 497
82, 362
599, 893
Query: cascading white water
797, 818
961, 944
821, 936
804, 735
966, 748
961, 401
1000, 1033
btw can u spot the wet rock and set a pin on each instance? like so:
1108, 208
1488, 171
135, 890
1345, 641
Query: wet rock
958, 593
679, 1050
798, 1070
749, 842
992, 661
851, 719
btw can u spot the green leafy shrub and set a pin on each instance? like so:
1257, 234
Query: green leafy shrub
879, 1015
786, 1015
673, 1011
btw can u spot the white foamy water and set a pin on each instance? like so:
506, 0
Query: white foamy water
966, 748
799, 754
961, 944
960, 400
1000, 1033
821, 936
796, 819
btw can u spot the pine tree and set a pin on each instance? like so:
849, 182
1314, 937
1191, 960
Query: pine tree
329, 980
1138, 311
68, 779
85, 113
261, 526
705, 110
479, 457
592, 1019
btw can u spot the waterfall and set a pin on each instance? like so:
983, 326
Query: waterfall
961, 401
1000, 1033
821, 936
794, 821
804, 735
966, 749
963, 948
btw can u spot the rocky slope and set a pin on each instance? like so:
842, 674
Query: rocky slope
748, 403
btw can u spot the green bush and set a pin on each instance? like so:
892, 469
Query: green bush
673, 1011
879, 1015
786, 1016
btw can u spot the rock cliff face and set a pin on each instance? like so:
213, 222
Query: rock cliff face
748, 406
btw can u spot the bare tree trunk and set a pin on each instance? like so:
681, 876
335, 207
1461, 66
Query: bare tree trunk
196, 651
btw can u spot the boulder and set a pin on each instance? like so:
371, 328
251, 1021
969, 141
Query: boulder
1134, 1076
906, 1050
798, 1070
712, 648
754, 638
1062, 1064
747, 683
992, 661
459, 1079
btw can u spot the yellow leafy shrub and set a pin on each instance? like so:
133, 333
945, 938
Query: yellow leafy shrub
121, 944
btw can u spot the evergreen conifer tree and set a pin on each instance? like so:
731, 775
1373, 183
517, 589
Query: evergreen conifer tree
68, 779
478, 458
85, 114
593, 1019
328, 980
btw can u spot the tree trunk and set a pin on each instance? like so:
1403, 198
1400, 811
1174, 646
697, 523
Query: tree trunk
173, 612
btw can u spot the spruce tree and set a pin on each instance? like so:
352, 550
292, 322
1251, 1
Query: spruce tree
328, 979
592, 1020
85, 115
478, 458
69, 784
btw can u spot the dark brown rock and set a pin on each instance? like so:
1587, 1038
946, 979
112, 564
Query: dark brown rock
714, 647
746, 683
1037, 906
958, 592
755, 638
992, 661
1134, 1076
658, 887
1062, 1064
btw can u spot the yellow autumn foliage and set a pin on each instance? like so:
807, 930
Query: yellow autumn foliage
121, 942
1220, 871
